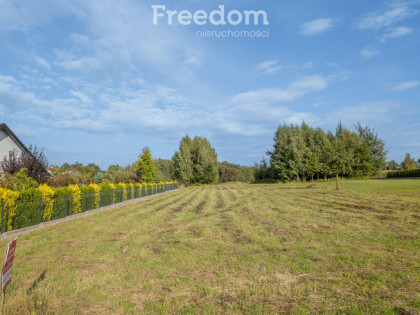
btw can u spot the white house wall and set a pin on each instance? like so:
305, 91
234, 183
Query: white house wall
7, 144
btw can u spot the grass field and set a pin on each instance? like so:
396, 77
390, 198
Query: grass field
231, 248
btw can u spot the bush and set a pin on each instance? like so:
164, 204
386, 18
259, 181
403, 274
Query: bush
9, 198
76, 197
34, 161
66, 179
404, 173
47, 194
62, 202
89, 197
97, 191
130, 191
137, 190
107, 196
120, 192
27, 211
19, 181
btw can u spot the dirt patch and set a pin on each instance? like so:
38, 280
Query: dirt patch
237, 233
116, 237
200, 207
183, 205
196, 230
288, 278
95, 266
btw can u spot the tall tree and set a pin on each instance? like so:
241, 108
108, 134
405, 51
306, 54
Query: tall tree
370, 152
228, 172
408, 163
145, 167
392, 165
339, 155
183, 164
196, 161
165, 169
290, 156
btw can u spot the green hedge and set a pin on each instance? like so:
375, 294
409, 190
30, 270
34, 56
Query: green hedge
29, 209
88, 198
404, 173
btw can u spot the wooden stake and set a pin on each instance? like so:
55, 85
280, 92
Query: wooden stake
2, 302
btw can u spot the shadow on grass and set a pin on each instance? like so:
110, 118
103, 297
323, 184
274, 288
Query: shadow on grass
38, 280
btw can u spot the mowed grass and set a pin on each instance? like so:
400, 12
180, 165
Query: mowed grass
231, 248
409, 188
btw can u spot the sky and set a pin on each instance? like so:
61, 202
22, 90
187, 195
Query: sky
96, 81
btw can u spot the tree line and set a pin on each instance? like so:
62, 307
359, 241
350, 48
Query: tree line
304, 153
194, 162
300, 152
407, 164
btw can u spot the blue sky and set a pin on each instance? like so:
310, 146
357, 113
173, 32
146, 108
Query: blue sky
95, 81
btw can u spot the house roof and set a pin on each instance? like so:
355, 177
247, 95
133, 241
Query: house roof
51, 169
6, 129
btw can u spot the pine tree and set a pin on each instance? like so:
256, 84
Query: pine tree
145, 167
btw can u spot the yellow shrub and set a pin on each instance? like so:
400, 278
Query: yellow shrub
77, 196
124, 190
47, 194
97, 192
145, 188
139, 186
114, 195
130, 190
9, 197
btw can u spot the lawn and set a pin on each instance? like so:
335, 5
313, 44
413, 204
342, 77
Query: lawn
231, 248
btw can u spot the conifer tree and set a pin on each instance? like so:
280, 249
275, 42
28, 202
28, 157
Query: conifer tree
145, 167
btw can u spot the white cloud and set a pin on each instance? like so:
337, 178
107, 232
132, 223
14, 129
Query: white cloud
155, 109
80, 40
308, 65
118, 40
266, 64
41, 62
370, 113
402, 86
294, 91
7, 80
395, 32
86, 100
369, 52
269, 67
317, 26
81, 64
117, 109
396, 12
